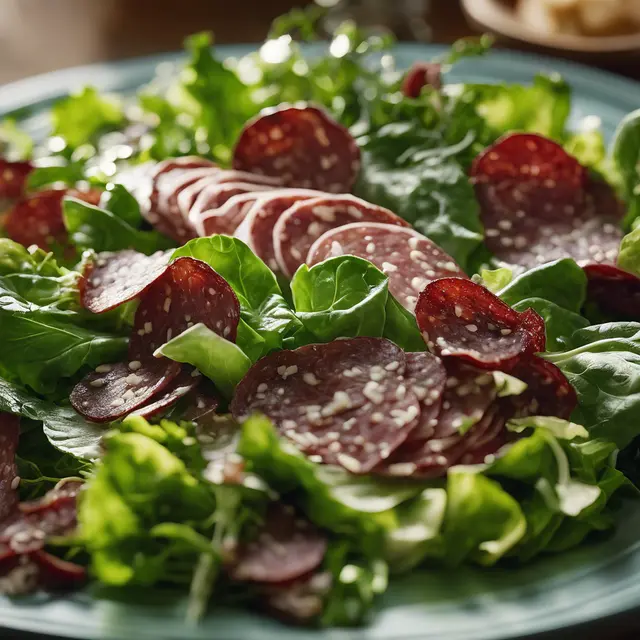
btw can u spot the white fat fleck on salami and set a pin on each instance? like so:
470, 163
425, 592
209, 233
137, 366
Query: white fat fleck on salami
9, 433
300, 226
338, 408
182, 385
114, 278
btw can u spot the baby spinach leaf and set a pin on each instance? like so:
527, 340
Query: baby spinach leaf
122, 204
625, 157
15, 144
68, 174
400, 327
494, 279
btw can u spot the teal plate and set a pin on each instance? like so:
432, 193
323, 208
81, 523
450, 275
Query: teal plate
598, 580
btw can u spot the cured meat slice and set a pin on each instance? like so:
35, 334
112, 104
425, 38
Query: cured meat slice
13, 178
115, 390
9, 434
301, 145
185, 383
460, 318
538, 204
114, 278
614, 291
201, 404
406, 257
228, 216
256, 229
287, 548
188, 292
298, 602
304, 222
37, 219
420, 75
344, 402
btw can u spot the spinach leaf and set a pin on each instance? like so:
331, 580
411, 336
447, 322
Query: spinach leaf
218, 359
400, 327
494, 279
625, 157
15, 144
68, 174
122, 204
629, 256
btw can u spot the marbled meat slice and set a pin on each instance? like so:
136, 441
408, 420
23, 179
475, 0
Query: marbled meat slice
301, 145
613, 291
256, 229
287, 547
188, 292
228, 216
460, 318
113, 278
13, 178
115, 390
420, 75
9, 434
185, 383
344, 402
304, 222
409, 259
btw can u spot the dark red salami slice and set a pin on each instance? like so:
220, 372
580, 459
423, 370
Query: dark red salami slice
115, 390
13, 178
299, 602
37, 219
406, 257
185, 383
302, 146
304, 222
188, 292
342, 403
9, 480
614, 291
287, 548
420, 75
460, 318
201, 404
114, 278
56, 574
256, 229
230, 215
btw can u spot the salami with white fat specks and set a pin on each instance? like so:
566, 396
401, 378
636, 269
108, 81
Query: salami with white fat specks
186, 381
406, 257
460, 318
342, 403
228, 216
420, 75
302, 146
304, 222
13, 178
256, 229
287, 547
9, 434
112, 279
539, 204
614, 291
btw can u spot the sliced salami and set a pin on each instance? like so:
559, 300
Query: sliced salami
299, 602
201, 404
182, 385
614, 291
188, 292
460, 318
304, 222
13, 178
114, 278
287, 548
230, 215
9, 434
302, 146
342, 403
256, 229
115, 390
406, 257
420, 75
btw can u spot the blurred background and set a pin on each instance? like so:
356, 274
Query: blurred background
41, 35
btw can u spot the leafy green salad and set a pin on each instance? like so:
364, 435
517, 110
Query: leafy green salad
279, 329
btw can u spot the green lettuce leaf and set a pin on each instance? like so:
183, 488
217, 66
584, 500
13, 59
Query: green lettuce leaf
625, 157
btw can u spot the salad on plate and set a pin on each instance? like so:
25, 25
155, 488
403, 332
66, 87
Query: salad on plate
277, 330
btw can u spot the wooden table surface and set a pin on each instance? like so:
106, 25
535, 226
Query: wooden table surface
37, 36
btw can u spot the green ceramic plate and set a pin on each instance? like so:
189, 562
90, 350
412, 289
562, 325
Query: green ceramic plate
600, 579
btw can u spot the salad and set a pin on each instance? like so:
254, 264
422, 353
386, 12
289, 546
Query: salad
279, 329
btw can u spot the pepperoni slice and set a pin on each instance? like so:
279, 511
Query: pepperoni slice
115, 390
301, 145
406, 257
114, 278
303, 223
420, 75
256, 229
341, 403
188, 292
9, 434
287, 548
463, 319
183, 384
614, 291
13, 178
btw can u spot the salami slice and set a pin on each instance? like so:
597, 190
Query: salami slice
614, 291
256, 229
201, 404
420, 75
538, 204
299, 602
406, 257
9, 434
302, 146
114, 278
115, 390
342, 403
183, 384
287, 548
460, 318
13, 178
230, 215
304, 222
188, 292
